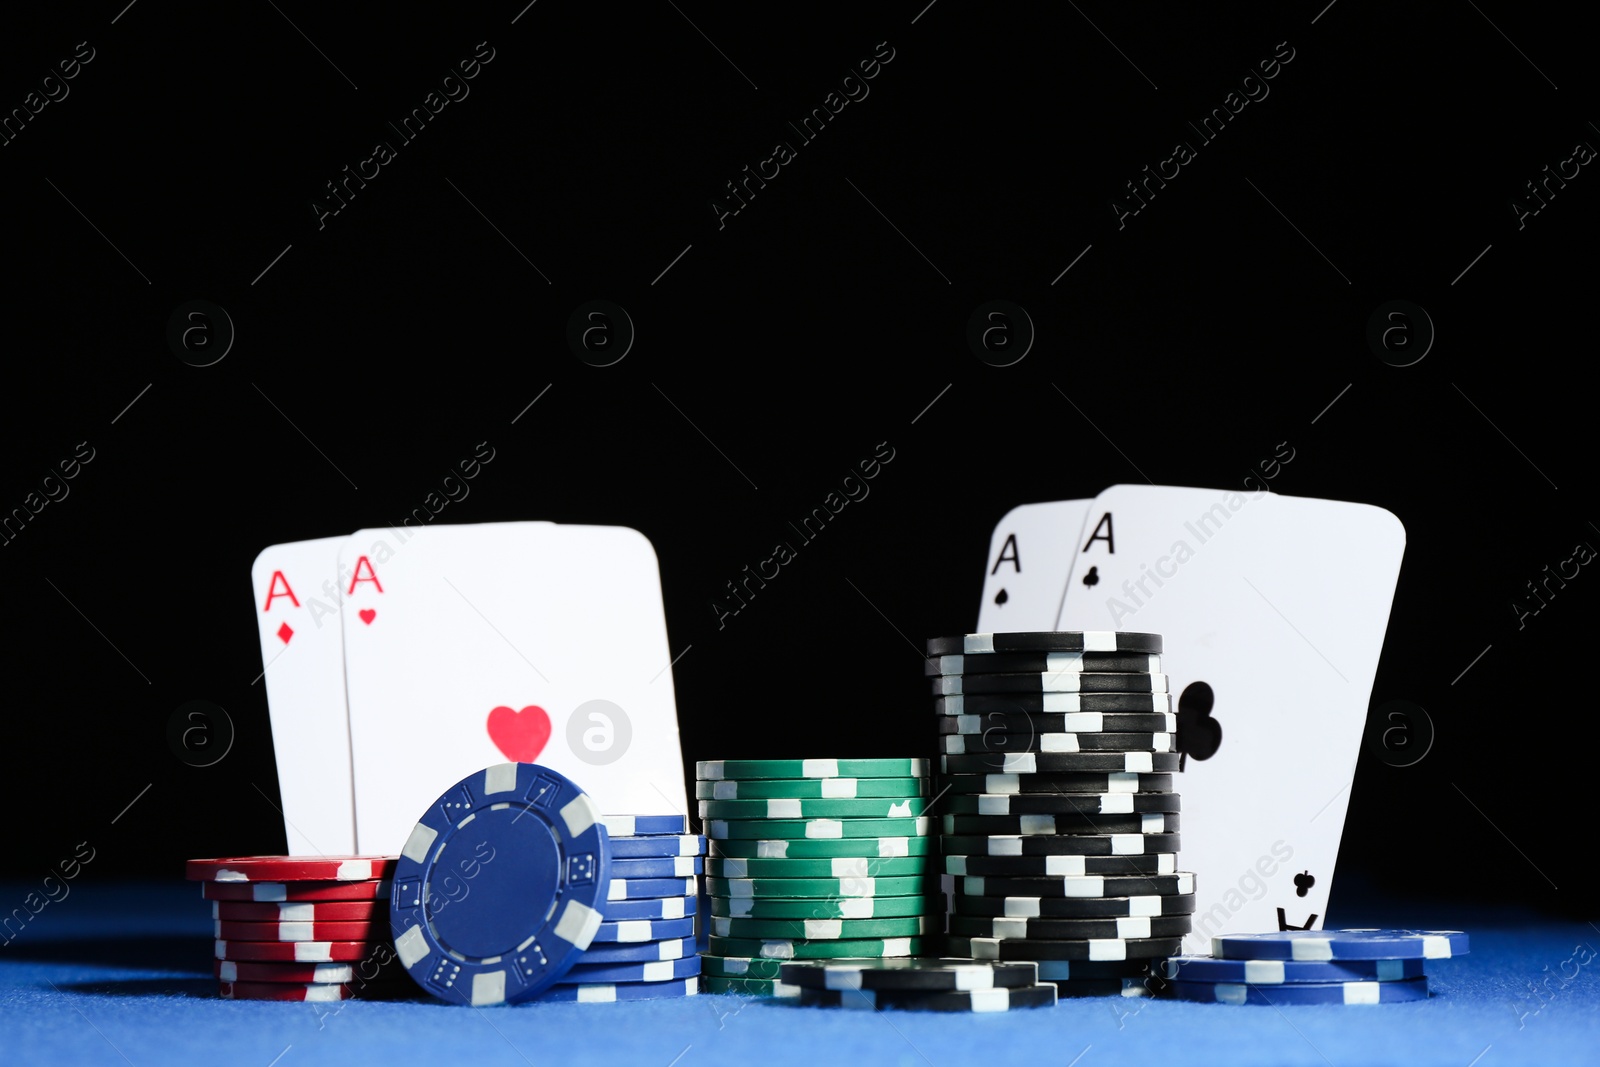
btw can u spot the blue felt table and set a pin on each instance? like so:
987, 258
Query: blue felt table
121, 974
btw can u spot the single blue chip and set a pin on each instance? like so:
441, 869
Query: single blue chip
640, 825
1342, 945
639, 952
499, 888
665, 845
674, 907
604, 993
634, 888
656, 867
654, 971
631, 931
1289, 972
1406, 989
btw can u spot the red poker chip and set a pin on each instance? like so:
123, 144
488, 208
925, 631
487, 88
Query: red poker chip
273, 892
300, 951
246, 911
289, 868
312, 991
378, 970
364, 930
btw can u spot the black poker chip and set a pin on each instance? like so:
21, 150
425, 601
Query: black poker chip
1046, 641
1065, 682
1028, 825
1086, 782
1123, 927
1093, 885
979, 1000
1055, 703
1132, 844
1095, 949
1052, 866
999, 741
1055, 722
1142, 986
1072, 907
1060, 803
1042, 663
914, 973
1060, 763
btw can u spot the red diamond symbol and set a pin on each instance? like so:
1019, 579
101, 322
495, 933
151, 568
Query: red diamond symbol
285, 632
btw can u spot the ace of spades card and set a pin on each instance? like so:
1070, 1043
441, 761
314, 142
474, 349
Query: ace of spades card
1272, 610
466, 646
1030, 554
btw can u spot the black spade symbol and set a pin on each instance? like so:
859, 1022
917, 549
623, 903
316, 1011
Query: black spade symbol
1303, 882
1001, 597
1092, 579
1199, 735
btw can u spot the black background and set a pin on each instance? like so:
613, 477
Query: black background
780, 349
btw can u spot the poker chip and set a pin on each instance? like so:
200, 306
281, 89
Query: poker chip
949, 685
642, 952
1050, 722
1054, 784
656, 867
642, 825
306, 892
838, 867
1060, 803
813, 829
634, 888
799, 950
366, 971
603, 993
860, 847
1041, 663
1057, 762
300, 911
1147, 703
749, 987
1074, 907
1124, 928
1034, 825
824, 908
644, 930
1092, 885
666, 970
780, 888
916, 974
361, 930
1103, 987
826, 808
1132, 844
1342, 945
995, 741
658, 846
987, 948
1049, 866
711, 770
811, 788
533, 910
1403, 990
295, 951
675, 907
980, 1000
1095, 970
1281, 972
309, 991
741, 967
822, 929
290, 868
1046, 641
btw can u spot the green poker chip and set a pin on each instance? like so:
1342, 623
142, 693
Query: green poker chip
816, 950
749, 987
826, 908
814, 788
714, 770
789, 888
818, 848
814, 829
822, 808
828, 929
837, 867
743, 967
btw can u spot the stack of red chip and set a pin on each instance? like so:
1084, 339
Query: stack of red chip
306, 928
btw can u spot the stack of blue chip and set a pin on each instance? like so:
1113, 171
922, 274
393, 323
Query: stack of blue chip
1313, 967
645, 946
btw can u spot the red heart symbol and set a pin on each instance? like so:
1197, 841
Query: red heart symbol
367, 615
520, 735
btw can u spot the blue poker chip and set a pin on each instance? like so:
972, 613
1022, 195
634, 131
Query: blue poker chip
641, 952
656, 867
635, 930
642, 825
634, 888
652, 971
1342, 945
499, 888
674, 907
666, 845
1289, 972
599, 993
1406, 989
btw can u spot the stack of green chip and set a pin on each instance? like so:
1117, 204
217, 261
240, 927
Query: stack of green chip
814, 859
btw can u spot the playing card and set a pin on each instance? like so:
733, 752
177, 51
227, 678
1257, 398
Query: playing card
302, 657
1273, 611
531, 642
1030, 555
